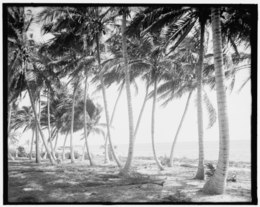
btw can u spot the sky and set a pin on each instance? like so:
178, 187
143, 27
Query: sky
167, 118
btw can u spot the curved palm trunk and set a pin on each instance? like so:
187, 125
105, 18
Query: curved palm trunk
37, 145
108, 124
38, 128
153, 126
200, 171
85, 123
216, 184
105, 103
9, 130
56, 141
107, 160
141, 111
32, 143
179, 128
71, 128
49, 125
111, 121
130, 155
63, 149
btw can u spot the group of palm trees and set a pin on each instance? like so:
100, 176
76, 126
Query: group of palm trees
165, 46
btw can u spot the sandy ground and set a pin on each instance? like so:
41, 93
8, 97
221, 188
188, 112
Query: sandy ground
29, 182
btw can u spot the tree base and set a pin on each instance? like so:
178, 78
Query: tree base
200, 174
211, 187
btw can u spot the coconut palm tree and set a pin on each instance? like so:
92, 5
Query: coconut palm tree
216, 184
19, 24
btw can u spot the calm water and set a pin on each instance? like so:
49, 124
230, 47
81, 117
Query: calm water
240, 150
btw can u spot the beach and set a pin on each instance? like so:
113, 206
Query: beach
29, 182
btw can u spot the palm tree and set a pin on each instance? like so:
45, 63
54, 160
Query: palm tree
178, 130
216, 184
25, 70
73, 36
128, 94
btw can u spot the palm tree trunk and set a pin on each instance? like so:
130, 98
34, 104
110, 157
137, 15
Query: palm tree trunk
106, 151
129, 101
217, 183
72, 128
56, 141
49, 124
111, 121
105, 102
153, 125
108, 124
38, 128
32, 143
63, 149
200, 171
37, 146
85, 122
179, 128
141, 111
9, 129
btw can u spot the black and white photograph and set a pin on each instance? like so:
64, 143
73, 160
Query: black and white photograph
129, 103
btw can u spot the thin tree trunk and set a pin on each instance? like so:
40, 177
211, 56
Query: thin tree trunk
83, 151
72, 128
217, 183
85, 122
153, 126
179, 128
111, 121
63, 150
108, 124
200, 171
106, 151
33, 131
56, 141
9, 129
38, 127
49, 124
130, 155
141, 112
37, 145
105, 103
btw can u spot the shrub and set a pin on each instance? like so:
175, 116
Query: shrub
210, 170
21, 152
165, 161
76, 155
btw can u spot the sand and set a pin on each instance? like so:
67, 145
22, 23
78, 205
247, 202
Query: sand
29, 182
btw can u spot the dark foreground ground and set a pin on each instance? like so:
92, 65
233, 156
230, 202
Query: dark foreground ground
29, 182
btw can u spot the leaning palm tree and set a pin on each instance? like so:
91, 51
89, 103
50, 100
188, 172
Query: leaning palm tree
216, 184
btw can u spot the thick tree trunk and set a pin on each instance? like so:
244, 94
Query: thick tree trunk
153, 126
72, 128
49, 125
63, 149
217, 183
200, 171
32, 144
130, 155
178, 130
38, 127
85, 122
105, 103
